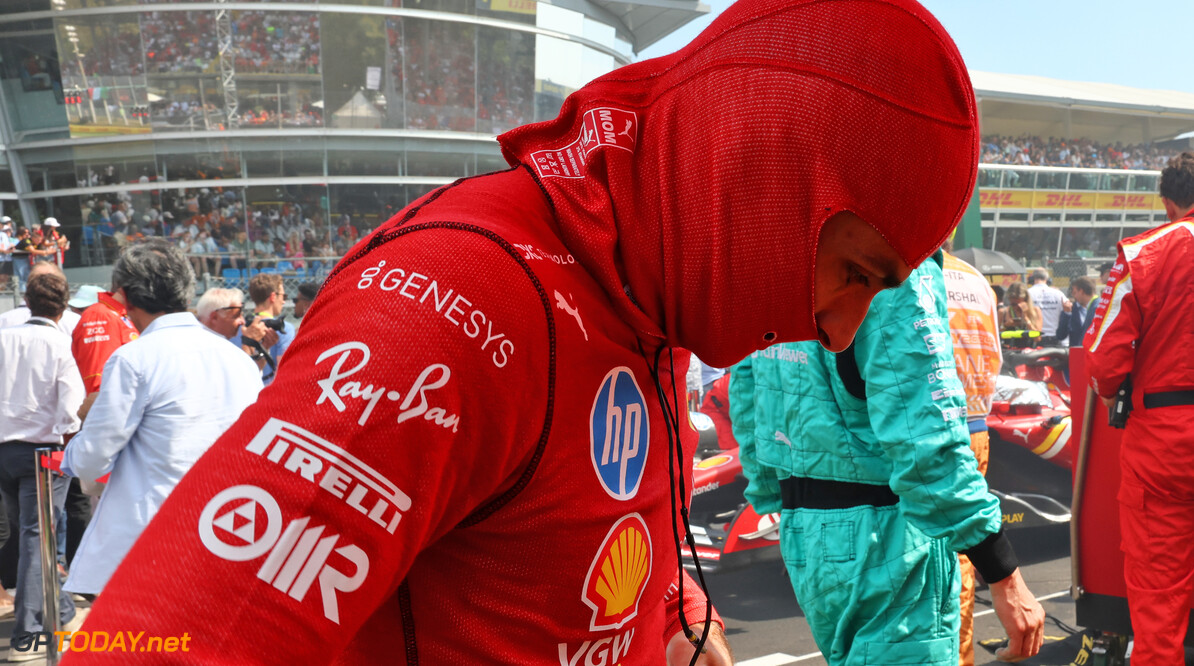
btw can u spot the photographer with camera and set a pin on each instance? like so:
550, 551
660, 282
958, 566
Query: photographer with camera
269, 296
1142, 332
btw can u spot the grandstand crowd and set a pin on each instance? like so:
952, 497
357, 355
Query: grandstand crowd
1035, 151
218, 231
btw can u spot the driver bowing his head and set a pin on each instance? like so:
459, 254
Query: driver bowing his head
474, 449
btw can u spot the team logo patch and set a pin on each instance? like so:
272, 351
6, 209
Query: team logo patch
618, 574
243, 523
925, 295
603, 127
336, 471
610, 127
715, 461
619, 434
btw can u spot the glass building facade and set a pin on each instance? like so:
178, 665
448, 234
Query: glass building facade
126, 117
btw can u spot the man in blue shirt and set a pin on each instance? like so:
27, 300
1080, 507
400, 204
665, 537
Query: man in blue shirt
269, 297
1076, 320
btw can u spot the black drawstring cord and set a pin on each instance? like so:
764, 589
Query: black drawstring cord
671, 418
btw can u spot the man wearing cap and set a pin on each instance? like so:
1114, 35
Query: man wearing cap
56, 242
103, 328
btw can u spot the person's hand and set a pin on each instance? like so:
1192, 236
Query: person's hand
717, 650
1022, 306
86, 406
1068, 305
270, 339
1107, 402
255, 332
1021, 616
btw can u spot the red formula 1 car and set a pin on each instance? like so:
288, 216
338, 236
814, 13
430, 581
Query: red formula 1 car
1032, 452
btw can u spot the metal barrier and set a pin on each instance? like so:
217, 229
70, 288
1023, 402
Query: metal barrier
49, 552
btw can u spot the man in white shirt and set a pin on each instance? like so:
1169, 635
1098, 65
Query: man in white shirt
40, 395
20, 314
1050, 300
165, 398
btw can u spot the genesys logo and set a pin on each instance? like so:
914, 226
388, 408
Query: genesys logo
416, 402
336, 471
244, 523
618, 434
618, 574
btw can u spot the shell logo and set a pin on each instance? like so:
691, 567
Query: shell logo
715, 461
618, 574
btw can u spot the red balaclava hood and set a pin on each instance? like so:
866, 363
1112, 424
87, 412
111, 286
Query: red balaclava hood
694, 186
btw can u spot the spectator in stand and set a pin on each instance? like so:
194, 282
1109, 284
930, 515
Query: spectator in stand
238, 250
1051, 301
42, 249
165, 399
7, 243
40, 396
204, 251
20, 314
22, 258
1032, 150
57, 243
1021, 313
304, 298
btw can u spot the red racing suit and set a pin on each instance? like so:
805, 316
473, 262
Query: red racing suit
102, 329
1144, 327
467, 456
516, 414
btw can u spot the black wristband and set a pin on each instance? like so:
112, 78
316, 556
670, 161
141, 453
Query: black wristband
994, 558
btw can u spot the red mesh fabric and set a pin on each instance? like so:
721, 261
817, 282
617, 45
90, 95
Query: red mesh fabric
779, 115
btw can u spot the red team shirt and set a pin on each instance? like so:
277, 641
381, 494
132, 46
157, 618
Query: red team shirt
318, 509
102, 329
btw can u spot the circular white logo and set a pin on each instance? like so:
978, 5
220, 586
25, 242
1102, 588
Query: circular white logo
240, 523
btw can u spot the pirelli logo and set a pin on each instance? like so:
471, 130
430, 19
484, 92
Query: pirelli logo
332, 469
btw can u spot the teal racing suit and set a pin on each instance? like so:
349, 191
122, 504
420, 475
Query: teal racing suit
878, 582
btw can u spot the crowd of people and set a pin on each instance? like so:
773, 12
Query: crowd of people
136, 416
1030, 150
217, 230
264, 42
449, 76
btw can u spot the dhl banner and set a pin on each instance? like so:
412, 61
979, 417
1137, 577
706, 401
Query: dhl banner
1046, 200
511, 6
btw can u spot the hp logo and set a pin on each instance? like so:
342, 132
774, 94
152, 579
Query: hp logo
619, 432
